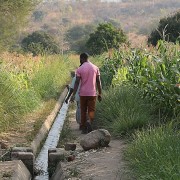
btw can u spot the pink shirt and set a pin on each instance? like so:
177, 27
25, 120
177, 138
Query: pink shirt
87, 73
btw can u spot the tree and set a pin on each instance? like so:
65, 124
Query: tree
13, 14
38, 15
40, 42
104, 38
77, 37
168, 30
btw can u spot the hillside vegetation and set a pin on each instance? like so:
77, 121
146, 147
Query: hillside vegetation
27, 82
59, 17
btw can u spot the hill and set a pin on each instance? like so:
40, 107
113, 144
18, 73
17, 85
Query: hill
140, 17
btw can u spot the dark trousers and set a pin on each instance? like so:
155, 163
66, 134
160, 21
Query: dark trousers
87, 106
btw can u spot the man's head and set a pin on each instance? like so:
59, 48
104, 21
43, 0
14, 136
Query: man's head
83, 58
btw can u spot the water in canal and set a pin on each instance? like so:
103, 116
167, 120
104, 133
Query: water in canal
41, 162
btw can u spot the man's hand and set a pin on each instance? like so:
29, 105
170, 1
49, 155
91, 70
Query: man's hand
66, 100
99, 98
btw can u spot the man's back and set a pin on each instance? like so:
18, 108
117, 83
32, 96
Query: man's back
87, 73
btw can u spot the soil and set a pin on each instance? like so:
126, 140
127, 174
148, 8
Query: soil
27, 128
99, 164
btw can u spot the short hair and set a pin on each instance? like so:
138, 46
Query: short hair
84, 56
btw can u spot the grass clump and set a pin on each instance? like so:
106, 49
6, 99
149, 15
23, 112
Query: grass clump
26, 83
51, 77
154, 154
14, 101
122, 110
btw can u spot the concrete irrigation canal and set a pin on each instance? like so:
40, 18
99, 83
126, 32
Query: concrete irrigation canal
51, 142
23, 163
88, 156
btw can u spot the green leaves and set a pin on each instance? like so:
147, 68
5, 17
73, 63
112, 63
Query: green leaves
168, 29
23, 89
40, 42
104, 38
154, 153
13, 14
156, 73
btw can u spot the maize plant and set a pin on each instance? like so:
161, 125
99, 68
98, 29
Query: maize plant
156, 72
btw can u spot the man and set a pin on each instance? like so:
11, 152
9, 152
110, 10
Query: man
89, 76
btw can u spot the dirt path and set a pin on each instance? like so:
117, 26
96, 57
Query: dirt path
101, 164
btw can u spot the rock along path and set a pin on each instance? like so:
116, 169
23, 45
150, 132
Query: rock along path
101, 164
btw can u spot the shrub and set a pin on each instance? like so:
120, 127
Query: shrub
104, 38
13, 14
168, 30
77, 37
38, 15
154, 154
40, 42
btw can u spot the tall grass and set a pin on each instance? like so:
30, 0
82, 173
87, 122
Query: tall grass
51, 77
155, 71
122, 110
154, 154
26, 82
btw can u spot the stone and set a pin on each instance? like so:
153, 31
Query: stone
95, 139
58, 154
58, 174
71, 158
54, 157
70, 147
27, 158
14, 170
22, 149
52, 150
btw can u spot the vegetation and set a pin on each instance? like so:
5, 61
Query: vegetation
40, 42
13, 14
154, 153
134, 16
141, 95
104, 38
155, 72
77, 37
123, 110
28, 82
168, 29
38, 15
57, 17
144, 93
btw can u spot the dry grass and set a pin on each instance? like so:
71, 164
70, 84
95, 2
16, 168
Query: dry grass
28, 127
24, 69
137, 40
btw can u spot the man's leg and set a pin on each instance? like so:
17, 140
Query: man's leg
83, 107
91, 111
